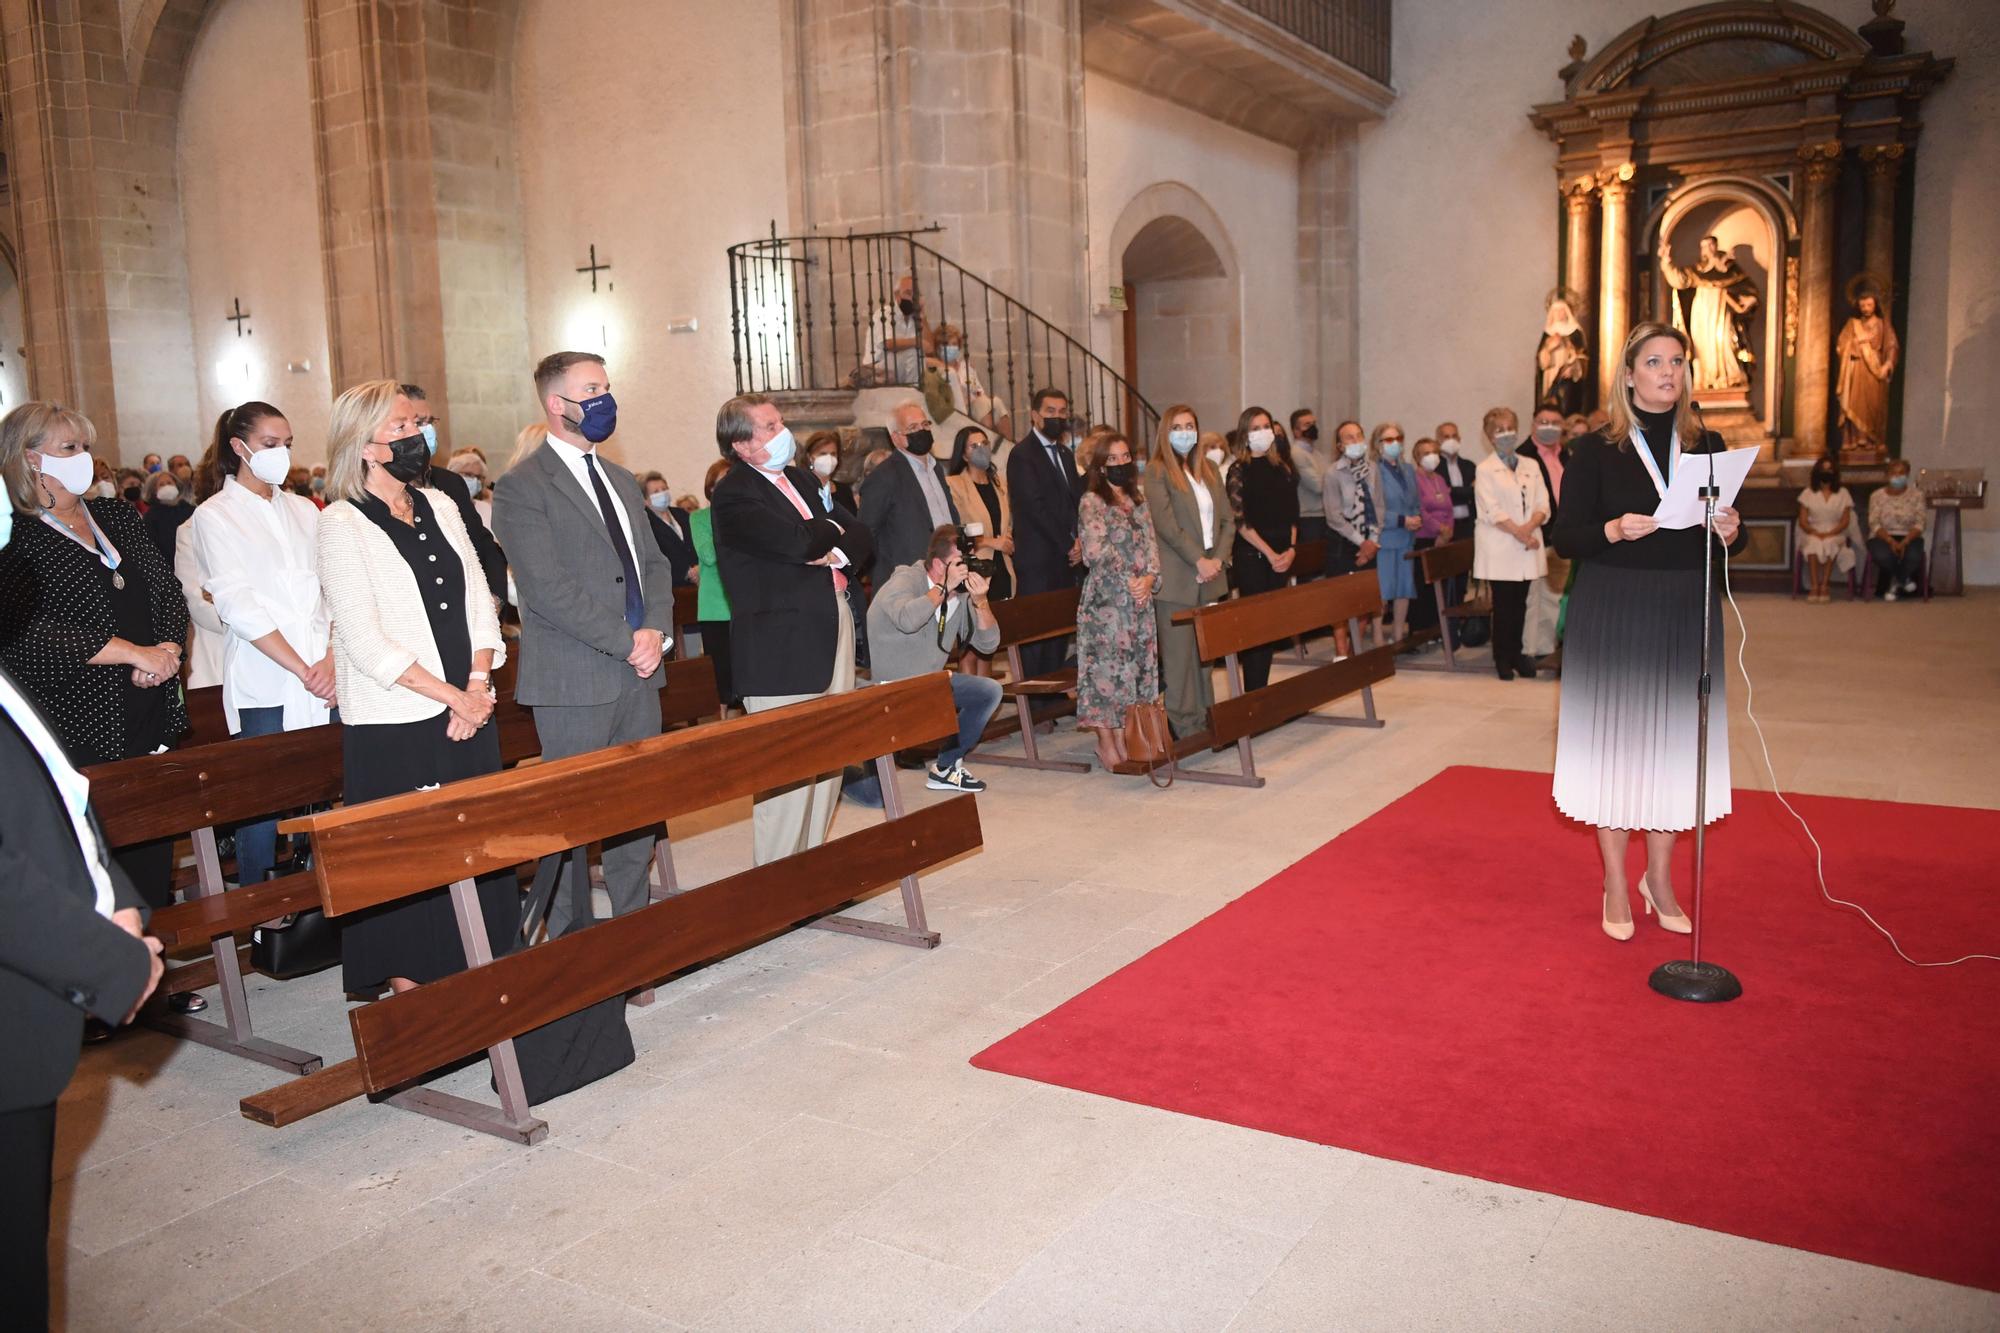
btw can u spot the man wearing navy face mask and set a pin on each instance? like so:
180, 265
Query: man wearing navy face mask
596, 597
492, 562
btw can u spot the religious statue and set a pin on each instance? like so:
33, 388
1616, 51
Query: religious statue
1869, 352
1717, 319
1561, 359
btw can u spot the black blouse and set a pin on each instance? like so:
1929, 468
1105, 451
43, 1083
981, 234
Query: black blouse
58, 609
1266, 499
439, 573
1605, 479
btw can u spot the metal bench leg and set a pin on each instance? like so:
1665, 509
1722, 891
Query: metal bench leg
1367, 718
915, 932
237, 1037
512, 1119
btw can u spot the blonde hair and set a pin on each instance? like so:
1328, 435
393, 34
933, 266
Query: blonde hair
1093, 440
1491, 420
1375, 436
28, 427
530, 439
1172, 465
357, 415
1620, 409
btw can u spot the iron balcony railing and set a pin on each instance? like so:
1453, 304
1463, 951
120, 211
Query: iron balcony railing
814, 313
1354, 32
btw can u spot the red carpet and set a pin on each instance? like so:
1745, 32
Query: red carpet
1432, 986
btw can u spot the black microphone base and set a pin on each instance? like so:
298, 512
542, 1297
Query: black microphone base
1700, 983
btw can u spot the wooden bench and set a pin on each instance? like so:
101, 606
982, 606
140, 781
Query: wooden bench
1439, 566
382, 851
196, 790
1022, 621
1226, 629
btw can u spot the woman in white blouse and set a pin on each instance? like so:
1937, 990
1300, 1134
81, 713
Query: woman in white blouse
1195, 532
255, 547
415, 643
1507, 549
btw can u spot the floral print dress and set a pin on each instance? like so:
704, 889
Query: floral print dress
1117, 644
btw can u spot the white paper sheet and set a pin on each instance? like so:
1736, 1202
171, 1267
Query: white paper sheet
1682, 506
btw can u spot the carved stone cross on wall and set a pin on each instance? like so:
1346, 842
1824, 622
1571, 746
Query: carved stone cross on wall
593, 268
239, 316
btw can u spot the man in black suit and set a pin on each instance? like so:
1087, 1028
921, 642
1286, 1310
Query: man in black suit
906, 499
492, 562
1043, 488
71, 944
785, 557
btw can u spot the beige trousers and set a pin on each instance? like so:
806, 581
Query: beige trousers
791, 819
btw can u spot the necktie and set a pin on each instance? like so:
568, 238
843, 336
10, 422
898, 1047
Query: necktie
635, 599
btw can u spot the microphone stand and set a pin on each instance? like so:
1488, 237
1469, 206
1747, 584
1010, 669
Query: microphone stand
1690, 978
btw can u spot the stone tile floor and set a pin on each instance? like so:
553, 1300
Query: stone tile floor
802, 1144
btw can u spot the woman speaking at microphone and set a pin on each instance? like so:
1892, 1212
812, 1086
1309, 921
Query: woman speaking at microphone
1626, 739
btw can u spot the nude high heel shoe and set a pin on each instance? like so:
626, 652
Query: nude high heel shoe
1678, 923
1617, 930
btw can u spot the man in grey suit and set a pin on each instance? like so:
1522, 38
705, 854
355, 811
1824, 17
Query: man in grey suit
596, 599
906, 499
922, 615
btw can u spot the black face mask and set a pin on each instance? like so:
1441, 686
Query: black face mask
1121, 475
132, 494
409, 458
1053, 428
907, 306
918, 441
1822, 479
1310, 433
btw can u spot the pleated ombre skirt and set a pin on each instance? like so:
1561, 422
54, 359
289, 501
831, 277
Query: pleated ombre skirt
1631, 674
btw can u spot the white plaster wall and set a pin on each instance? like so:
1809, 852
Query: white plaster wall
251, 215
1135, 140
1459, 223
656, 131
13, 338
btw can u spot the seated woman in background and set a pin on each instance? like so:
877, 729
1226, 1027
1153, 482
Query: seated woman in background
1117, 651
1195, 533
1896, 534
416, 642
1825, 508
1396, 501
968, 396
711, 602
1434, 529
91, 618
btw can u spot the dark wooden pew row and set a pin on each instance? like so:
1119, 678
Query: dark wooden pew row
1439, 566
195, 790
1225, 629
386, 850
1022, 621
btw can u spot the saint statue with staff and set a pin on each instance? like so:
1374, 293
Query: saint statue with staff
1716, 319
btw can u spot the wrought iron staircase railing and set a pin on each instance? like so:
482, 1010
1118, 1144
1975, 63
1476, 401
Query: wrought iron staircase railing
812, 312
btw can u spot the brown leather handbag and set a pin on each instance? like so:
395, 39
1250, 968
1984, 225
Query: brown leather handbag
1147, 740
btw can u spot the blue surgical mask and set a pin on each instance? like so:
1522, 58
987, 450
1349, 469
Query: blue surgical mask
1354, 451
780, 450
1392, 449
430, 430
950, 353
1899, 483
600, 417
1183, 441
660, 501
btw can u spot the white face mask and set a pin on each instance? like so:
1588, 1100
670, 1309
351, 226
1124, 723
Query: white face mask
271, 466
167, 495
1216, 456
1260, 439
104, 490
1449, 445
73, 473
1429, 462
1354, 451
661, 501
825, 464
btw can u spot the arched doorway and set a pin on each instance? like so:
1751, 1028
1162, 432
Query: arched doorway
1183, 322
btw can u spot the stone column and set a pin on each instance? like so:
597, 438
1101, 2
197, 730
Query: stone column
1329, 262
1884, 163
1819, 170
1614, 310
1580, 244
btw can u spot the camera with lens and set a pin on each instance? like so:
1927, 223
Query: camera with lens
981, 565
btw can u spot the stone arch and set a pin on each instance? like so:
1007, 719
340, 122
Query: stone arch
159, 38
1677, 41
1183, 332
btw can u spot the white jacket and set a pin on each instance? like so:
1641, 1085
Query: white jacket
260, 567
206, 627
1516, 494
379, 624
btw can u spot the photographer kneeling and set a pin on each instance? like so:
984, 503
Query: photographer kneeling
918, 621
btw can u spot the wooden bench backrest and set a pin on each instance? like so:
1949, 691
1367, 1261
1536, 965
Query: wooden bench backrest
207, 723
687, 603
381, 851
1308, 559
1228, 627
1039, 615
1446, 562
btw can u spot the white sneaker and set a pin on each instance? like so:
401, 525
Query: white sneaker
1910, 588
1889, 596
953, 779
